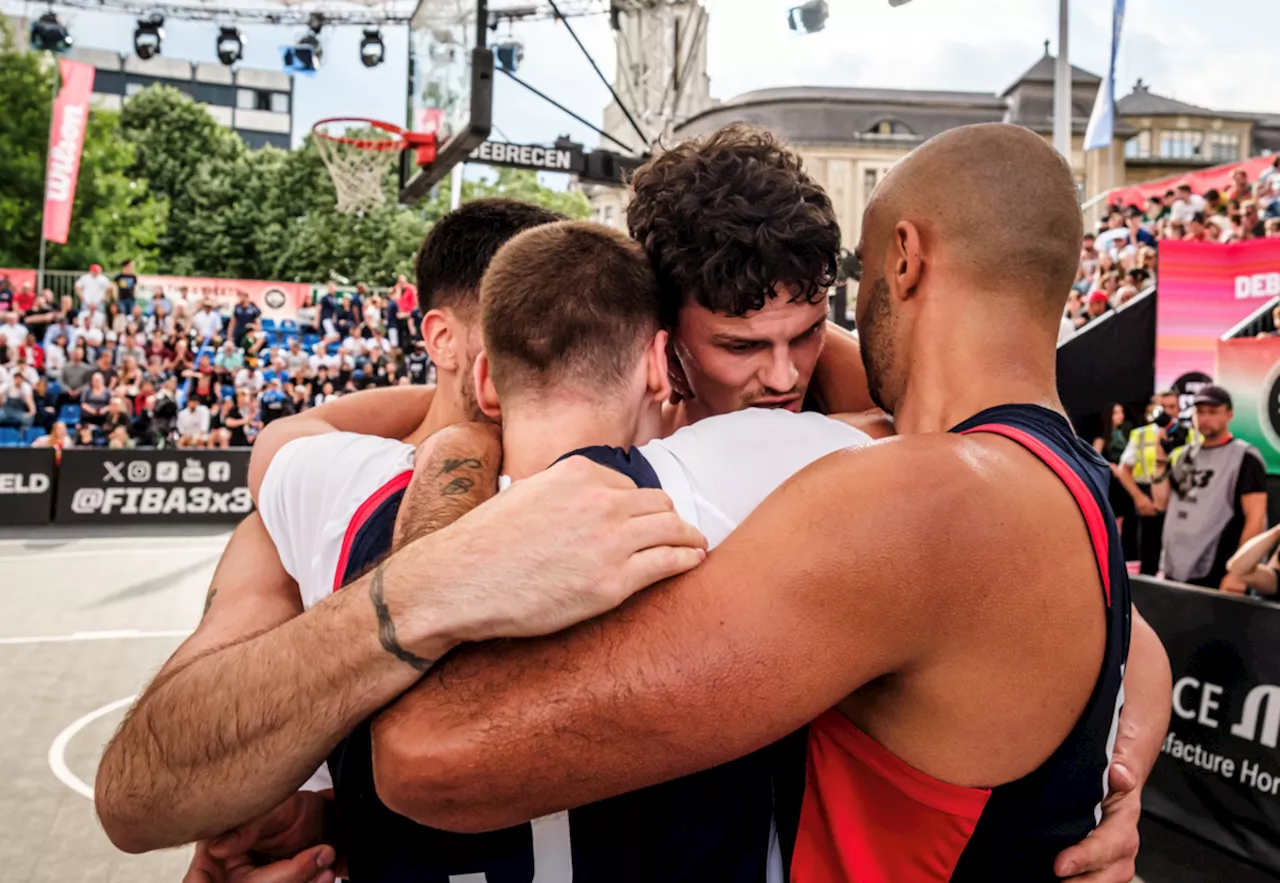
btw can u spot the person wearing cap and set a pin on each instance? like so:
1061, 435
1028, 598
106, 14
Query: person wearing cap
1217, 498
1097, 305
93, 286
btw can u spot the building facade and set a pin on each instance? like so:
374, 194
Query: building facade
850, 137
256, 104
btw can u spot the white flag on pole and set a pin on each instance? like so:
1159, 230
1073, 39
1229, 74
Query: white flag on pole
1102, 124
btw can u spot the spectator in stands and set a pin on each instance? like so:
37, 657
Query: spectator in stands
1217, 499
326, 394
203, 389
95, 402
309, 316
12, 332
1099, 304
46, 402
181, 359
207, 323
227, 363
238, 418
1156, 211
273, 403
1240, 190
1110, 442
329, 308
1214, 204
93, 287
419, 363
55, 357
18, 410
193, 425
1272, 228
86, 436
119, 416
39, 315
104, 366
1251, 225
57, 438
126, 287
76, 373
114, 318
251, 378
1196, 229
119, 438
244, 314
1186, 205
61, 325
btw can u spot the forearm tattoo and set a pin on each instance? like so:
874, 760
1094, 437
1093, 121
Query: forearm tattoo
387, 628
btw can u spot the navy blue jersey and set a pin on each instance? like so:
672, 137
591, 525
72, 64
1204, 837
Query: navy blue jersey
712, 826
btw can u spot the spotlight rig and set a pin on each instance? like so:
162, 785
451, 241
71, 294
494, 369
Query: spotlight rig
372, 50
148, 35
48, 33
230, 45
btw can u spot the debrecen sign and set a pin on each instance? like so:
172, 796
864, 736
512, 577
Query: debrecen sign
530, 156
170, 486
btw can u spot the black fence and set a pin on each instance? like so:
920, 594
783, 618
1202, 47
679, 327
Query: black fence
1218, 775
103, 486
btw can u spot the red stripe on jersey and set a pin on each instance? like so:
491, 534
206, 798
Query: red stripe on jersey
1085, 500
870, 817
376, 499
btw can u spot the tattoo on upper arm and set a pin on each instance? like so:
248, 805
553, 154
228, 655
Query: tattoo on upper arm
468, 462
387, 628
458, 486
208, 602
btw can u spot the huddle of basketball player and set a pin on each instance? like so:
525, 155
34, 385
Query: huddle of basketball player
670, 579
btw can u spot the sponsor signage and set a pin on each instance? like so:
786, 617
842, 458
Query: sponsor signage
530, 156
1218, 774
26, 486
66, 138
135, 487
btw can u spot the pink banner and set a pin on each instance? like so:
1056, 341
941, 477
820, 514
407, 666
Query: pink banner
66, 138
277, 300
1206, 289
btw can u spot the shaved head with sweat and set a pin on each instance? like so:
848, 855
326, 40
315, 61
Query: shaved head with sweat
976, 258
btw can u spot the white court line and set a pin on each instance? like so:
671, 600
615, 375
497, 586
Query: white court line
95, 636
63, 554
58, 750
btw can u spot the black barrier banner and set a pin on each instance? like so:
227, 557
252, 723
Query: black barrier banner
171, 486
26, 486
1218, 775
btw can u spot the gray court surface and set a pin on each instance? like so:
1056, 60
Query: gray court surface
85, 621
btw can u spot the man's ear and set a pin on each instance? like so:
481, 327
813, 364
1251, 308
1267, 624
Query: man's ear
657, 372
486, 392
677, 379
443, 344
906, 259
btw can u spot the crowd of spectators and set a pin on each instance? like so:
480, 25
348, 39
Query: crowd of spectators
111, 366
1118, 261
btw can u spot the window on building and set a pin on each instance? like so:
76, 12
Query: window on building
1139, 146
870, 178
608, 214
1224, 146
247, 99
132, 89
1182, 144
889, 127
279, 102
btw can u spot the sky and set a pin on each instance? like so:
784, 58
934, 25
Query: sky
1211, 55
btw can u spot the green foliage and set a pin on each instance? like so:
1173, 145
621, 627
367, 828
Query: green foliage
113, 217
163, 183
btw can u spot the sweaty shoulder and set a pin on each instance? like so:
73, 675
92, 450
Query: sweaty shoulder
313, 489
728, 464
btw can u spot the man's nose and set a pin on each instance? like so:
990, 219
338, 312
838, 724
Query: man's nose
780, 373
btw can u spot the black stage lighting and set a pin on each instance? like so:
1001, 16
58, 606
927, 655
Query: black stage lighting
372, 51
49, 33
148, 35
810, 17
230, 45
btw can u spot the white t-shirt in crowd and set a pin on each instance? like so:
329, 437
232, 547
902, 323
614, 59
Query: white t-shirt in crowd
93, 289
191, 423
250, 379
1185, 209
1066, 330
206, 323
14, 333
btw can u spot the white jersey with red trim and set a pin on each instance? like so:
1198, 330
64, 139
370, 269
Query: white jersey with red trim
312, 494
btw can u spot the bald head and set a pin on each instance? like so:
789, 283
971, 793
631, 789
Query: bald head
998, 202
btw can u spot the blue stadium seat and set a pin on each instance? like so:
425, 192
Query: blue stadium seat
288, 334
70, 415
32, 434
228, 391
334, 348
268, 324
268, 375
10, 438
310, 340
288, 325
55, 389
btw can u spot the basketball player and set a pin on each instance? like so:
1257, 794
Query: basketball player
964, 701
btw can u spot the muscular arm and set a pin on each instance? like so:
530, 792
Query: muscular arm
1247, 563
509, 732
840, 380
255, 700
1148, 697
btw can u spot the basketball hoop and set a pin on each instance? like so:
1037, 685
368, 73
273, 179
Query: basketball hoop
359, 152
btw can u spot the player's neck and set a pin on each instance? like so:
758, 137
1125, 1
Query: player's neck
975, 363
447, 408
534, 438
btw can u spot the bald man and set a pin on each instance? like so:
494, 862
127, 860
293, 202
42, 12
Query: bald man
957, 648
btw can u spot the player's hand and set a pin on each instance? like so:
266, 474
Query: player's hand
1233, 584
1145, 505
286, 845
555, 549
1110, 853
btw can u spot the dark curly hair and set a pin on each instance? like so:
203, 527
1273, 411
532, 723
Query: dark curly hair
728, 217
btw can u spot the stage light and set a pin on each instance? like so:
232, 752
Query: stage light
230, 45
148, 35
509, 55
303, 57
49, 33
809, 18
372, 50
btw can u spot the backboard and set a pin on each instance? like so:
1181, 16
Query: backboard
450, 86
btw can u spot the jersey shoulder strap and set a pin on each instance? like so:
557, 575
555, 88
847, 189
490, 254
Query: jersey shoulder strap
630, 463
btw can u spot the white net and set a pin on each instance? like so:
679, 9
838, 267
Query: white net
359, 159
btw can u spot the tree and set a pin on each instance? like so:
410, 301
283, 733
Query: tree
113, 217
521, 184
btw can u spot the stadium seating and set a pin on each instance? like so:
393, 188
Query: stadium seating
10, 438
32, 434
70, 415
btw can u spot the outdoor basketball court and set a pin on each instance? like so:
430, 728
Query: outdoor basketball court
85, 621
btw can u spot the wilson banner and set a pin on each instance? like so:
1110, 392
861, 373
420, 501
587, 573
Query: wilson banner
66, 138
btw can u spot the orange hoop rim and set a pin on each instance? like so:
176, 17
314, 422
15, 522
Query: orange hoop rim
403, 138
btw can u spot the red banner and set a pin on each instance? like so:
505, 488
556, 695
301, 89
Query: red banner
277, 300
1218, 177
1205, 290
66, 138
